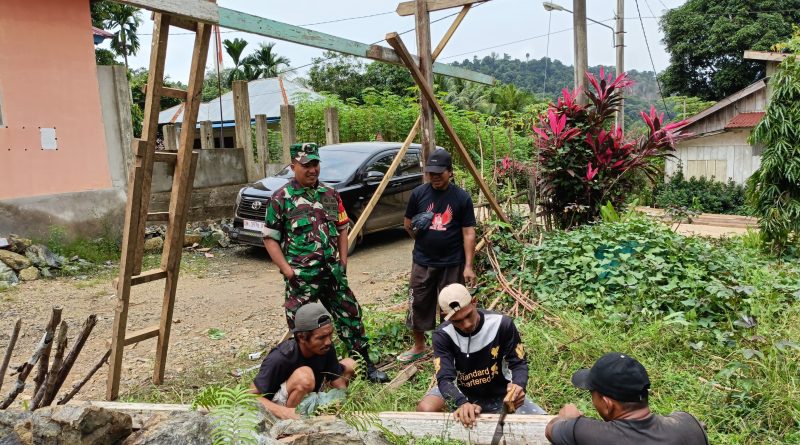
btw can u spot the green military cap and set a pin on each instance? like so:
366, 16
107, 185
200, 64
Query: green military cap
305, 152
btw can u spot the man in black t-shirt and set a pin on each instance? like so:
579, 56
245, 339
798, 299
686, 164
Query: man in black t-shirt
620, 387
441, 219
478, 359
300, 365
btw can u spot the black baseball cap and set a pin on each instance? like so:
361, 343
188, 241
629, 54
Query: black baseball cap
615, 375
439, 161
311, 316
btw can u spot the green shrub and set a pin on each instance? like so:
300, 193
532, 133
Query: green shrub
703, 195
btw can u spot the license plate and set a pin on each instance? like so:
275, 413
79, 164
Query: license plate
253, 225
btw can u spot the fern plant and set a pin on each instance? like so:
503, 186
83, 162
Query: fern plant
234, 413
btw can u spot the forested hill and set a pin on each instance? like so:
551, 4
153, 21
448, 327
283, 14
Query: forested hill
530, 75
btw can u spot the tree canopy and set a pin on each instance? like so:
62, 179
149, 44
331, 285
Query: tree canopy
706, 40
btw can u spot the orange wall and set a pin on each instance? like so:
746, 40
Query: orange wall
48, 78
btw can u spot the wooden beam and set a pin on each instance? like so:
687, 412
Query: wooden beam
519, 429
408, 8
206, 135
427, 126
167, 158
170, 140
244, 135
262, 142
449, 34
768, 56
158, 216
288, 132
394, 40
196, 10
241, 21
175, 93
331, 126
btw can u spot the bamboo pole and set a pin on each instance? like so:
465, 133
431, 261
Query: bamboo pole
12, 341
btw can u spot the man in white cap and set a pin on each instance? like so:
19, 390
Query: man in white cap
300, 365
478, 359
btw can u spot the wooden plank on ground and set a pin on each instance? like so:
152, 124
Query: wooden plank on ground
408, 8
519, 429
402, 377
394, 40
241, 21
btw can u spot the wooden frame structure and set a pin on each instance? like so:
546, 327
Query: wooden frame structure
198, 16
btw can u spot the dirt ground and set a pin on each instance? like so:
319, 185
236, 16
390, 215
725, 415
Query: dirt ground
239, 291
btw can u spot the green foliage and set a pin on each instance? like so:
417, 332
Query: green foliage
702, 195
103, 56
388, 335
123, 21
706, 40
235, 414
96, 250
773, 190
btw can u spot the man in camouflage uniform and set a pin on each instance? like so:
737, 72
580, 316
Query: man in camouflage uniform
305, 233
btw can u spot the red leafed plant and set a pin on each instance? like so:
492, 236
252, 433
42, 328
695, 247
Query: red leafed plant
584, 163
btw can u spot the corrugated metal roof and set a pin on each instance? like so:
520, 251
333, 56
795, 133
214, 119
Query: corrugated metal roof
745, 120
265, 98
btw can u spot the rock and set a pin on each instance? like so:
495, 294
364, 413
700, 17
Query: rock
191, 239
154, 244
86, 425
8, 420
7, 275
41, 257
14, 260
29, 274
180, 427
19, 244
323, 431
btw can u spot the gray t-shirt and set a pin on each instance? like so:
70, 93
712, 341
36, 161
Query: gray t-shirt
678, 428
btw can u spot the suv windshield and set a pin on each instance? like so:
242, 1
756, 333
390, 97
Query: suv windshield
336, 165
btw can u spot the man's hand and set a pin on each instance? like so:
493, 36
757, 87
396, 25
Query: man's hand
284, 412
469, 276
288, 273
569, 411
467, 414
519, 394
343, 263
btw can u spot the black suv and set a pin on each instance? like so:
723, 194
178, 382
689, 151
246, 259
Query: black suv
354, 169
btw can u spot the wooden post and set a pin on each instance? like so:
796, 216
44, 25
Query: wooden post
206, 135
262, 142
581, 52
288, 131
12, 341
244, 138
331, 126
170, 137
394, 40
428, 124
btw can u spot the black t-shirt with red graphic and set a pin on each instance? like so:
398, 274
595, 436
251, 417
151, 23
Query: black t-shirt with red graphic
442, 245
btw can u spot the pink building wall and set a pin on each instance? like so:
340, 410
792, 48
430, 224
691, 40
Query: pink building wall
48, 79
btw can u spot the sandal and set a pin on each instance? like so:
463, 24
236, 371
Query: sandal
409, 356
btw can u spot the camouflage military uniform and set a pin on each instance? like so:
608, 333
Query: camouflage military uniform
306, 222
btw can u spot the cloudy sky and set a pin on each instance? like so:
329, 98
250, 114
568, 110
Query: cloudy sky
514, 27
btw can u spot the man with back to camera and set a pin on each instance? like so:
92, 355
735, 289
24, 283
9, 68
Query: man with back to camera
300, 365
620, 388
308, 219
441, 219
478, 358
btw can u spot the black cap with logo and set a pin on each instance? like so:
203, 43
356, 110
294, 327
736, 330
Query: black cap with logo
617, 376
439, 161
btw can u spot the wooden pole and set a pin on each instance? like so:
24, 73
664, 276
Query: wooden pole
12, 341
331, 126
41, 394
77, 387
44, 361
373, 201
428, 123
80, 341
288, 132
620, 43
262, 142
244, 138
581, 52
206, 135
394, 40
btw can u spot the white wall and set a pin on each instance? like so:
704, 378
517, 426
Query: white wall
730, 146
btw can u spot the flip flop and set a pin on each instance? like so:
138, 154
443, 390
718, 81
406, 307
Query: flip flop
409, 356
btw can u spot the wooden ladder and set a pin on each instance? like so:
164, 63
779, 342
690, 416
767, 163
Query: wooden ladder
139, 186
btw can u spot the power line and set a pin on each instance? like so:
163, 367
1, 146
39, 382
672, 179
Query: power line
652, 63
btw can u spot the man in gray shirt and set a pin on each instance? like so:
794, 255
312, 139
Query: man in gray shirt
619, 385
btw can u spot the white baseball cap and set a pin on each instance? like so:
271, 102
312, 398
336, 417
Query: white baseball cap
453, 298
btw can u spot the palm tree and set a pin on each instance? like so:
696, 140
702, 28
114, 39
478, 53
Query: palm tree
235, 49
267, 61
124, 21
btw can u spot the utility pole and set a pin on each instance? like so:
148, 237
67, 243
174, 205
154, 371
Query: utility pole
620, 47
427, 126
581, 52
